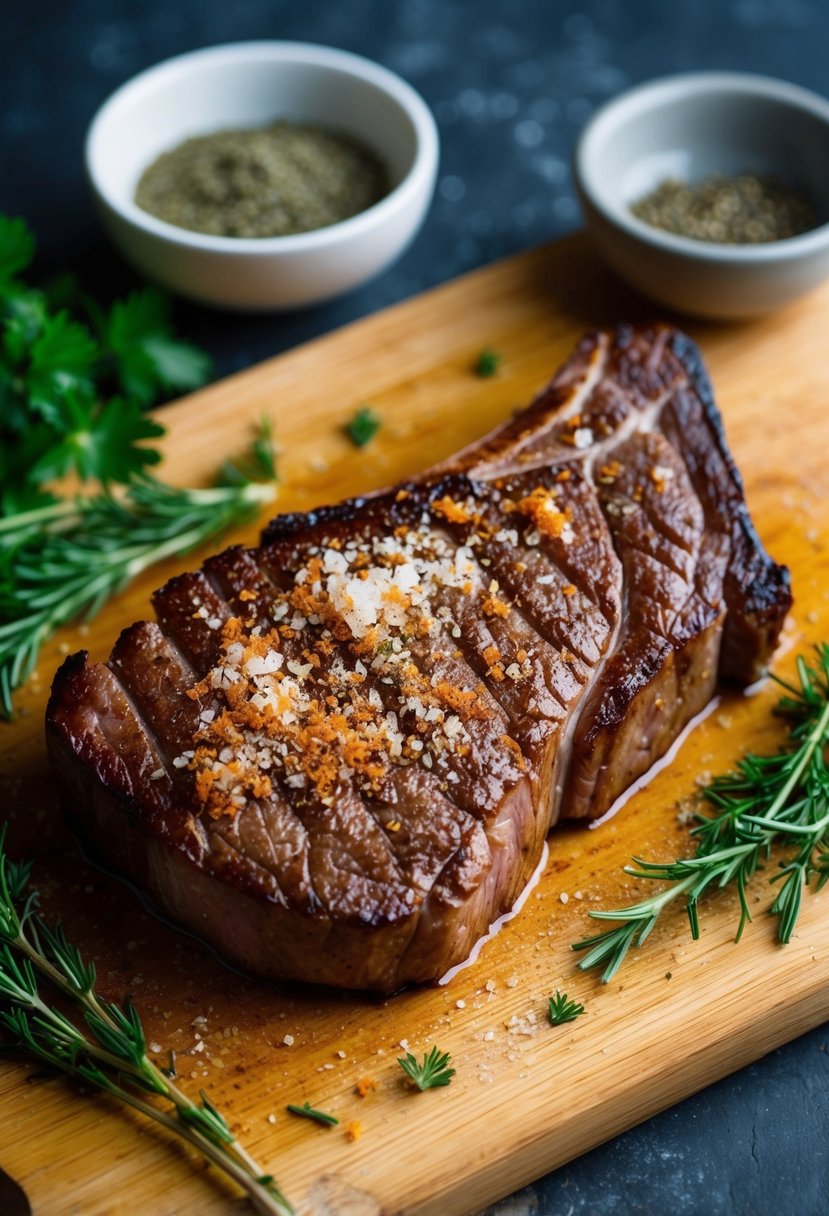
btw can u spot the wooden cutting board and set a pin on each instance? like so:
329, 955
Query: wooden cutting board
526, 1097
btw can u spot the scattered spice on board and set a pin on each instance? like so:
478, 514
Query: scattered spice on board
742, 210
268, 181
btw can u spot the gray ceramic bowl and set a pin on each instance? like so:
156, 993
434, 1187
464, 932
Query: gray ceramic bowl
690, 127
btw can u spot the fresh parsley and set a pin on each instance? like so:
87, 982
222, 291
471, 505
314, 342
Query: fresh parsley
74, 378
768, 800
363, 426
562, 1009
306, 1111
487, 363
432, 1072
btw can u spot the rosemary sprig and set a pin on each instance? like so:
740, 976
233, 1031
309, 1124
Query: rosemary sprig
561, 1009
106, 1045
432, 1072
65, 559
782, 798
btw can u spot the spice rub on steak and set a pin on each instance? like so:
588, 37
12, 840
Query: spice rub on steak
336, 757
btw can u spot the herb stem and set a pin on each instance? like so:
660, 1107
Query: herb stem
113, 1056
768, 799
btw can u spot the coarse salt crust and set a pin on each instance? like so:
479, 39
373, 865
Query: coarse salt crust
327, 692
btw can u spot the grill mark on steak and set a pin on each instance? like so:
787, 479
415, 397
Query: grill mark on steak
380, 870
234, 572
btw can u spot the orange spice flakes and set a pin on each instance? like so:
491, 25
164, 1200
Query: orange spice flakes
353, 1130
569, 589
576, 433
515, 750
277, 720
543, 509
491, 655
246, 595
492, 606
466, 702
323, 694
364, 1086
563, 475
453, 512
660, 475
609, 472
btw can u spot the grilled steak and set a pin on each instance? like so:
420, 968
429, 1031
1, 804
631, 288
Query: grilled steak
336, 757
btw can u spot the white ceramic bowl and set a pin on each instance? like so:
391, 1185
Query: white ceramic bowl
690, 127
244, 85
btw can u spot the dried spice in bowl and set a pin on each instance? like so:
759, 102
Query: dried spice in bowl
267, 181
741, 210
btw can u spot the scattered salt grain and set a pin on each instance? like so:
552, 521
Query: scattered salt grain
288, 1040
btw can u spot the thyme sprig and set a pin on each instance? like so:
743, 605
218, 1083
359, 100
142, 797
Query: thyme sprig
768, 800
63, 560
104, 1044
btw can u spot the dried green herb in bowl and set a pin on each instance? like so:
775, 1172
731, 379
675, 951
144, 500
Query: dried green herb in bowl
741, 210
268, 181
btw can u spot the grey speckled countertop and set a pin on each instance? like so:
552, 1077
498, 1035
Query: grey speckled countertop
510, 83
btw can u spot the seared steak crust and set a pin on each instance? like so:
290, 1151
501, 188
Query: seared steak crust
337, 756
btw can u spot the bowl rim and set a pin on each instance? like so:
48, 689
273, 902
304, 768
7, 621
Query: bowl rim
422, 168
650, 96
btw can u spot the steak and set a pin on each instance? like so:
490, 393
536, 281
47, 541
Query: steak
336, 757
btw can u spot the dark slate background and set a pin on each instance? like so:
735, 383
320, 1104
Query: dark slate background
510, 83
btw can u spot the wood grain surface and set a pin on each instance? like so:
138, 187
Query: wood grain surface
527, 1097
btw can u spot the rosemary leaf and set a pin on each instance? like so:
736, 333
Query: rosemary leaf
781, 799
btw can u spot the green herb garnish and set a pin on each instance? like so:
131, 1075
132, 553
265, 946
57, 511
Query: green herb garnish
98, 1041
487, 363
363, 426
74, 380
66, 558
782, 798
432, 1072
306, 1111
562, 1010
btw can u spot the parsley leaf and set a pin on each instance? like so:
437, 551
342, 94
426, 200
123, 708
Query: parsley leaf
99, 442
62, 358
149, 358
363, 426
17, 247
